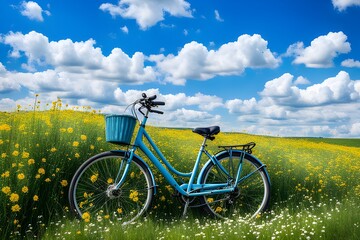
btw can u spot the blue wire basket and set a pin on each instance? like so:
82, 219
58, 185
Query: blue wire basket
119, 128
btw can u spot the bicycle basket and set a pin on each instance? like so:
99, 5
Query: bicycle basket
119, 128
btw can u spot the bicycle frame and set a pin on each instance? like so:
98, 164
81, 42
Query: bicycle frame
191, 189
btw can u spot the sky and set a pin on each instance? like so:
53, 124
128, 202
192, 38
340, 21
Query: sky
270, 67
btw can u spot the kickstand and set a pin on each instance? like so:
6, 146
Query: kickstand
186, 207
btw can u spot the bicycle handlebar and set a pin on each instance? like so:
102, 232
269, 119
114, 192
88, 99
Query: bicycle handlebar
148, 103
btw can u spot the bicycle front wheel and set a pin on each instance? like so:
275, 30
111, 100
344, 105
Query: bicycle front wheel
93, 195
251, 194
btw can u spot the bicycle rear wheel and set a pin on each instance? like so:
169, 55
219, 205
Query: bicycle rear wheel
251, 195
92, 192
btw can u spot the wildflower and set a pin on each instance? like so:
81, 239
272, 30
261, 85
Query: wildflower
43, 159
134, 195
132, 174
25, 155
94, 177
62, 130
1, 141
110, 180
210, 200
64, 183
41, 171
15, 153
75, 144
162, 198
36, 198
77, 155
83, 137
37, 176
6, 190
47, 180
92, 147
24, 189
57, 169
53, 149
21, 176
5, 127
70, 130
16, 221
17, 145
14, 197
31, 161
16, 208
5, 174
3, 155
86, 217
218, 209
119, 210
99, 139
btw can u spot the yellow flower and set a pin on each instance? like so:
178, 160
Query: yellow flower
53, 149
70, 130
62, 130
16, 221
75, 144
132, 174
14, 197
94, 177
15, 153
64, 183
134, 195
37, 176
107, 216
3, 155
99, 139
210, 200
36, 198
92, 147
110, 180
47, 180
25, 155
31, 161
25, 189
5, 174
17, 145
41, 171
218, 209
16, 208
21, 176
1, 141
83, 137
6, 190
119, 210
77, 155
43, 159
5, 127
86, 217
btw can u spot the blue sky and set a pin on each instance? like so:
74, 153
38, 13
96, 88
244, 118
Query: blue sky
282, 68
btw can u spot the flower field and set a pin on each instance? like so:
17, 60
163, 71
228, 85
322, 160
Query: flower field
315, 183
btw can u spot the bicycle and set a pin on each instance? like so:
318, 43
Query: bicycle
119, 184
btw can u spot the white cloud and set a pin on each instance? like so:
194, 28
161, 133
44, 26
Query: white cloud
330, 108
322, 50
79, 60
195, 61
341, 5
32, 10
148, 13
125, 29
350, 63
217, 16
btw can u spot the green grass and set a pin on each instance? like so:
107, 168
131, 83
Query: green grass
315, 188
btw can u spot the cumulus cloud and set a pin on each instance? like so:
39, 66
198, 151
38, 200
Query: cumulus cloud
125, 29
195, 61
329, 108
147, 13
341, 5
350, 63
322, 50
32, 10
79, 60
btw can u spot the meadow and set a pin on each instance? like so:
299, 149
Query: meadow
315, 192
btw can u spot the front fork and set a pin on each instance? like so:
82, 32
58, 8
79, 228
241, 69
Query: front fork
128, 158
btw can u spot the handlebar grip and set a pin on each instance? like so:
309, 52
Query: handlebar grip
156, 111
158, 103
152, 98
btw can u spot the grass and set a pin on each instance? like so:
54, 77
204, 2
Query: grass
315, 189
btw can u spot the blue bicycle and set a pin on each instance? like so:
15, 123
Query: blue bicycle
120, 184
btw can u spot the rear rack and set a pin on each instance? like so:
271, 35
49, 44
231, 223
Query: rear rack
244, 147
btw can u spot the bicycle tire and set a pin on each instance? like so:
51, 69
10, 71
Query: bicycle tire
251, 196
91, 193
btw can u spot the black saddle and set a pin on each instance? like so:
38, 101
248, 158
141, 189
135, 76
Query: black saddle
207, 132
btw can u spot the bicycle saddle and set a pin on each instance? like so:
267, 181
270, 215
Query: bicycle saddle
208, 131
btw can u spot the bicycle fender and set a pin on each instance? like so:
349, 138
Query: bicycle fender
145, 164
225, 152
